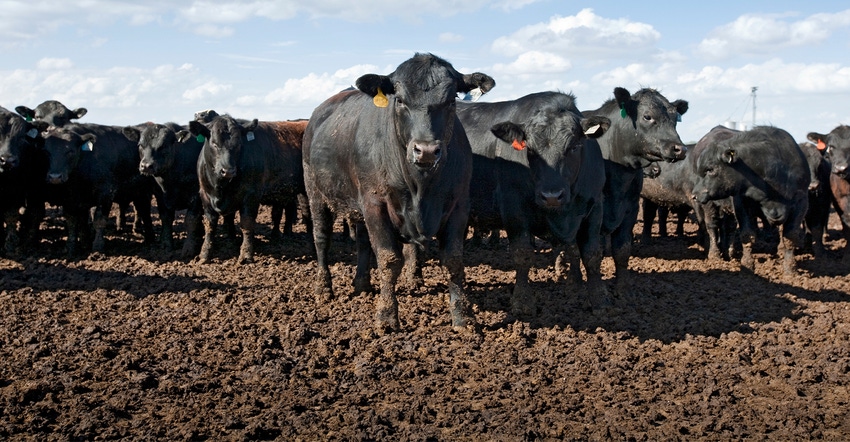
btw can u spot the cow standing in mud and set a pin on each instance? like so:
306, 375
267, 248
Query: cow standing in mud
766, 174
643, 130
836, 145
20, 170
244, 164
538, 172
394, 156
169, 154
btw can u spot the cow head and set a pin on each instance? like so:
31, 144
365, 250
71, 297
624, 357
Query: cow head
553, 140
714, 160
15, 136
65, 148
205, 116
836, 147
652, 119
421, 96
158, 146
52, 112
223, 140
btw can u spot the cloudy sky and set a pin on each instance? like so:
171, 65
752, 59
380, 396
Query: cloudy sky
161, 60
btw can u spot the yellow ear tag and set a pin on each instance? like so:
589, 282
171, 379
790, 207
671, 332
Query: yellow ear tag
380, 99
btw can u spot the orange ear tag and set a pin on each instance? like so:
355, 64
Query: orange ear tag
518, 145
380, 99
821, 145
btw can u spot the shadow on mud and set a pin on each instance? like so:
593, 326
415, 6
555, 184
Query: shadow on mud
665, 306
47, 277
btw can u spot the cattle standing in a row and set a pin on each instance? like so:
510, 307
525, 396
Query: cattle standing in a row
643, 130
92, 165
765, 173
169, 154
538, 172
243, 165
837, 146
394, 155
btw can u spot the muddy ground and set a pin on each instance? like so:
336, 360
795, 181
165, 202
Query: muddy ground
136, 345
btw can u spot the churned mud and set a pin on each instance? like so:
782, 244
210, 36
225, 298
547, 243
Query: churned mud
133, 344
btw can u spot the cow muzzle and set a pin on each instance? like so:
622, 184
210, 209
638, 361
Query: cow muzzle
56, 178
227, 173
8, 163
427, 154
551, 199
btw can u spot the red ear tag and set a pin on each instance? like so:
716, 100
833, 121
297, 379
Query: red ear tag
821, 145
518, 145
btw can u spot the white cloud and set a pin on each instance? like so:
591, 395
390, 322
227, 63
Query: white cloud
765, 33
533, 63
450, 37
314, 88
206, 91
54, 63
582, 35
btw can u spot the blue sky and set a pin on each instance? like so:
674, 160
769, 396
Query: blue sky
129, 62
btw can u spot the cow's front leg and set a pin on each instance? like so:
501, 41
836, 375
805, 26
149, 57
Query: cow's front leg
523, 300
210, 223
247, 218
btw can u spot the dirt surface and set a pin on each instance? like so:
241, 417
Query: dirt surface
135, 345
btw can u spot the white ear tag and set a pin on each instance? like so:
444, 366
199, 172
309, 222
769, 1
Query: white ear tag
32, 133
88, 146
250, 136
592, 130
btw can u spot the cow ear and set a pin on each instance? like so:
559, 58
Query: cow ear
815, 137
595, 126
248, 127
625, 102
89, 137
183, 136
508, 132
681, 106
80, 112
476, 80
370, 83
198, 128
25, 112
729, 156
131, 133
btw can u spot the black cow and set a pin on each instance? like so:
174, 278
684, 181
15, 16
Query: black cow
394, 156
836, 145
643, 130
91, 165
765, 173
820, 197
538, 172
169, 153
19, 165
665, 188
51, 112
243, 165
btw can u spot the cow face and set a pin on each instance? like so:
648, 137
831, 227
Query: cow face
65, 149
554, 142
158, 146
653, 120
51, 112
224, 137
714, 158
421, 96
836, 146
15, 135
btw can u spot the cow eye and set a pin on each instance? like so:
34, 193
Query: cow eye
647, 117
711, 172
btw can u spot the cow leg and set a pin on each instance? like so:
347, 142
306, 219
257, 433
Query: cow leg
649, 211
621, 251
322, 230
193, 223
747, 234
412, 272
711, 218
290, 216
589, 243
523, 304
362, 278
663, 214
101, 213
247, 218
793, 236
681, 217
143, 214
10, 239
277, 215
210, 223
451, 258
166, 233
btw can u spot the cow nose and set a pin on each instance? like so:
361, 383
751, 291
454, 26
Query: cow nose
428, 153
679, 151
552, 200
839, 170
55, 178
227, 172
8, 162
145, 168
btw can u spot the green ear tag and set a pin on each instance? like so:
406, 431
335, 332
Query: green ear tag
200, 138
29, 119
622, 110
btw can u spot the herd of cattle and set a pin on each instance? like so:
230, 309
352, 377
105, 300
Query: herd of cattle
404, 161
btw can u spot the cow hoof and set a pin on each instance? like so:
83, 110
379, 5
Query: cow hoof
384, 325
246, 259
362, 285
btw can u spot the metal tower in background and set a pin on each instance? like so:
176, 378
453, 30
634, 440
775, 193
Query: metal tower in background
753, 90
